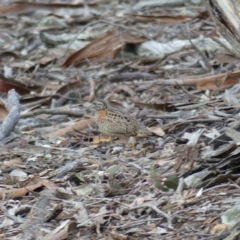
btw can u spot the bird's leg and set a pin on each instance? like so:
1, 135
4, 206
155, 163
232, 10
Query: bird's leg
111, 139
131, 142
105, 139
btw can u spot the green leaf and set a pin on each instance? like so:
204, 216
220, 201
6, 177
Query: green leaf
156, 178
114, 169
172, 182
80, 177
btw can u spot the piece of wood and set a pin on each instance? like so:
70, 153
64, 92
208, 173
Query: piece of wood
225, 13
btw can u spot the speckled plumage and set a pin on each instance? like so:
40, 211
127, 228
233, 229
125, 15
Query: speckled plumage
117, 124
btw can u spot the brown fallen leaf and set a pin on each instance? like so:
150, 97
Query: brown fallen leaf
45, 60
24, 7
103, 48
157, 130
220, 228
20, 192
3, 111
219, 81
7, 84
225, 58
73, 129
171, 20
11, 163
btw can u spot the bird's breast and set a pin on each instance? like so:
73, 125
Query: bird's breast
101, 116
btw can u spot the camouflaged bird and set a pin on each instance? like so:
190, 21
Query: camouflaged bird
117, 124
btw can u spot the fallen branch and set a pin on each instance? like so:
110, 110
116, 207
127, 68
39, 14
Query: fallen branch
13, 116
69, 167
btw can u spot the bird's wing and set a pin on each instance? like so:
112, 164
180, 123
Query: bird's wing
121, 123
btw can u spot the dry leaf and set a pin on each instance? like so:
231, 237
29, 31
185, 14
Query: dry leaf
7, 84
157, 130
220, 81
11, 163
103, 48
25, 7
3, 111
220, 228
72, 130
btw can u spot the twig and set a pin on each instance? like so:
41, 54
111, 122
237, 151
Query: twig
128, 76
92, 90
63, 98
235, 54
135, 223
53, 112
62, 171
177, 197
180, 186
13, 116
203, 56
153, 207
157, 210
191, 96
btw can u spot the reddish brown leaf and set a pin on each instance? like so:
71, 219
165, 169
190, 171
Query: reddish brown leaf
7, 84
162, 19
103, 48
169, 18
219, 81
3, 111
73, 129
20, 192
24, 7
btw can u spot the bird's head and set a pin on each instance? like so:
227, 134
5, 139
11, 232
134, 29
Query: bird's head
99, 105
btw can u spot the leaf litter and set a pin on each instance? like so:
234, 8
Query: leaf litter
60, 178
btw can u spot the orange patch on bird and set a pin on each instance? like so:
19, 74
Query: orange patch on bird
102, 115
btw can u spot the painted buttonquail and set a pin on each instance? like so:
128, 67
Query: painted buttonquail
117, 124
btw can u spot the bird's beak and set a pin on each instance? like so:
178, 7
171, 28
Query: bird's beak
91, 106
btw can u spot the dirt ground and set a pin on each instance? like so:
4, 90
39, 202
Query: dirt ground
160, 62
